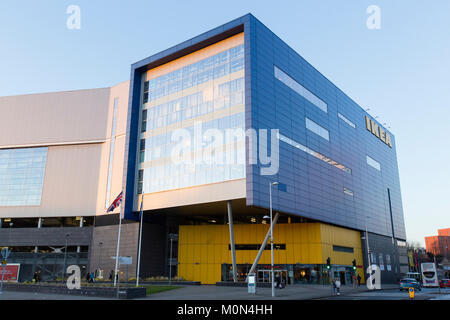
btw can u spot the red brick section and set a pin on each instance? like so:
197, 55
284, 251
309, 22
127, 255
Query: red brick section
440, 244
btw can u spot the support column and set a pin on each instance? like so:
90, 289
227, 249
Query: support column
233, 251
81, 226
36, 249
263, 246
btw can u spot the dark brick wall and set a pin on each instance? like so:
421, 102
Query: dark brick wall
383, 245
108, 236
152, 255
153, 250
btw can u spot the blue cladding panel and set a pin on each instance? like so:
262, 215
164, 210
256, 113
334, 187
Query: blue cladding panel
315, 189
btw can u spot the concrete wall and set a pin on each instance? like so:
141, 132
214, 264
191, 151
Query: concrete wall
58, 117
76, 126
45, 236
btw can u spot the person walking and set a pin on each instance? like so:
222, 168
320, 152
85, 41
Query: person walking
111, 275
359, 280
333, 286
338, 286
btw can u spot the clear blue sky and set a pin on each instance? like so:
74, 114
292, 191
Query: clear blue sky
400, 71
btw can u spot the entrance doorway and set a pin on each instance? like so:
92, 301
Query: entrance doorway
266, 275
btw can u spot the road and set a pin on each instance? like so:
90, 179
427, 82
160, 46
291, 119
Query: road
395, 294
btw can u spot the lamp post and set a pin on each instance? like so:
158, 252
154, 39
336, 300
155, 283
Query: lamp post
100, 244
367, 244
271, 234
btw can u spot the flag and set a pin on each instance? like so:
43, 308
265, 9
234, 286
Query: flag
142, 204
115, 203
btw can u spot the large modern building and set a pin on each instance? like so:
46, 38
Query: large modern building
439, 245
206, 137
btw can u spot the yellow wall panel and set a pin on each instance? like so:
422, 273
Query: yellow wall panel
306, 243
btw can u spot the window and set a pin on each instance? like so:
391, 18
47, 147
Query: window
276, 246
373, 258
144, 121
142, 150
22, 176
146, 90
381, 262
351, 124
214, 67
388, 262
348, 191
373, 163
140, 181
342, 249
314, 153
401, 243
314, 127
301, 90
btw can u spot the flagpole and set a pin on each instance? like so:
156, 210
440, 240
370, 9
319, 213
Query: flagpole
140, 242
118, 245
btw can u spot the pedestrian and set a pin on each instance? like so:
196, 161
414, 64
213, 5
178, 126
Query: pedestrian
333, 286
88, 277
359, 280
111, 275
38, 276
91, 277
338, 286
35, 277
277, 282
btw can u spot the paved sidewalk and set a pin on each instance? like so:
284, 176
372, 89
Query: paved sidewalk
212, 292
292, 292
18, 295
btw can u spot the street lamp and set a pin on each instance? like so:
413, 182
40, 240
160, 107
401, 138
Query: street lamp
367, 244
99, 255
271, 234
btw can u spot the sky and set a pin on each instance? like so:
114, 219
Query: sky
400, 71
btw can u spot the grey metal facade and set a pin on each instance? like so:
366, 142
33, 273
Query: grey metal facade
314, 188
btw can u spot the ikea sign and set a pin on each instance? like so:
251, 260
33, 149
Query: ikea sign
378, 131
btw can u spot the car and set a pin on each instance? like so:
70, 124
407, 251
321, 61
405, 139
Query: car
407, 283
444, 283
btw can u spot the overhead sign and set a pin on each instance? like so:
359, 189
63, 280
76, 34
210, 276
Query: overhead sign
11, 272
124, 260
378, 131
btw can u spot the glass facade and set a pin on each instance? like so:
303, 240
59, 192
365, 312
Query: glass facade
209, 92
22, 176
